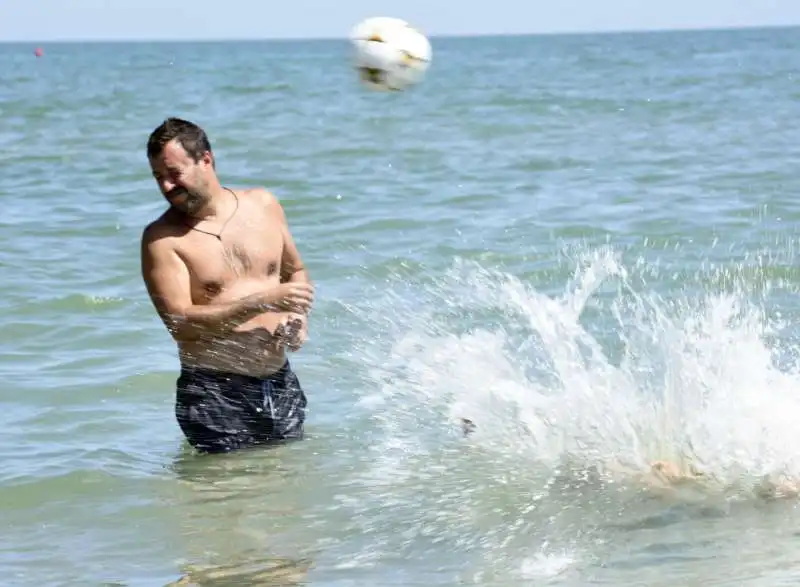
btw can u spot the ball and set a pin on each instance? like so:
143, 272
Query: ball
390, 54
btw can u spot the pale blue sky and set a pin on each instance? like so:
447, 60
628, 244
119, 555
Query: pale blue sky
26, 20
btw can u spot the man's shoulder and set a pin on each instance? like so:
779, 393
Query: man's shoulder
267, 201
260, 194
161, 229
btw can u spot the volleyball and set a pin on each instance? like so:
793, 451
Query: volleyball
390, 54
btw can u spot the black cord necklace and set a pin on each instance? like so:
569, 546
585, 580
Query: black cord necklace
221, 230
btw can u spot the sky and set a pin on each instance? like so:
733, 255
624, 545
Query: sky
43, 20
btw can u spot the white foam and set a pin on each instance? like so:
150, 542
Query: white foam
686, 376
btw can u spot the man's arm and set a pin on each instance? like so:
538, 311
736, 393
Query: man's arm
292, 267
167, 280
292, 271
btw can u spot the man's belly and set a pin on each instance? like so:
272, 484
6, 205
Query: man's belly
250, 349
250, 353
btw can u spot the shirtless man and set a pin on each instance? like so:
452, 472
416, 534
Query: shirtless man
225, 277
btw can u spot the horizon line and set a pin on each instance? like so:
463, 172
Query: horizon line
576, 32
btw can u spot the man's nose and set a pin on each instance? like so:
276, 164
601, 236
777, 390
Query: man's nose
167, 185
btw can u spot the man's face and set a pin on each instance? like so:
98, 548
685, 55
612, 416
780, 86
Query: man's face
182, 181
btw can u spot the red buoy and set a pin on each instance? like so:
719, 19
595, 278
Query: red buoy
38, 52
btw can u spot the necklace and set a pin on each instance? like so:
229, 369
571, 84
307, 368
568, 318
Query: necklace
221, 230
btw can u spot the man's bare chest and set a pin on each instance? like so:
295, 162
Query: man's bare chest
217, 262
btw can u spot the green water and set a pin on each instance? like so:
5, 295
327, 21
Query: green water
470, 239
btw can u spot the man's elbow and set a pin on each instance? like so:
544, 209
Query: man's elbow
185, 335
180, 329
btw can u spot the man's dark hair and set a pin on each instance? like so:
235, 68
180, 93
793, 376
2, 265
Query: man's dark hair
190, 136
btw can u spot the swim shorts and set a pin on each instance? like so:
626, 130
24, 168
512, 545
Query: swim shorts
219, 412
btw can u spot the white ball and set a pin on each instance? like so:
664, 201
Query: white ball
390, 54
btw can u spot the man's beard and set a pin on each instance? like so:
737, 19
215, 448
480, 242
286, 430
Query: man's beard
189, 202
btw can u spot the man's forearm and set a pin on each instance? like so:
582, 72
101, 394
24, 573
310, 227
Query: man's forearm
197, 320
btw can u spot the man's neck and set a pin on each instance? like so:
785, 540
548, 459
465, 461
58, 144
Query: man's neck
219, 203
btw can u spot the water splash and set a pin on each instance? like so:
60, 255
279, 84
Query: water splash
609, 373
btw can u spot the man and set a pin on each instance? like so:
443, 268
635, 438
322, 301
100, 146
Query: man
225, 277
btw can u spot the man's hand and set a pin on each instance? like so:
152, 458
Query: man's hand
293, 331
292, 296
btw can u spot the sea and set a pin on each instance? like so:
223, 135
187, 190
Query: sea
583, 244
